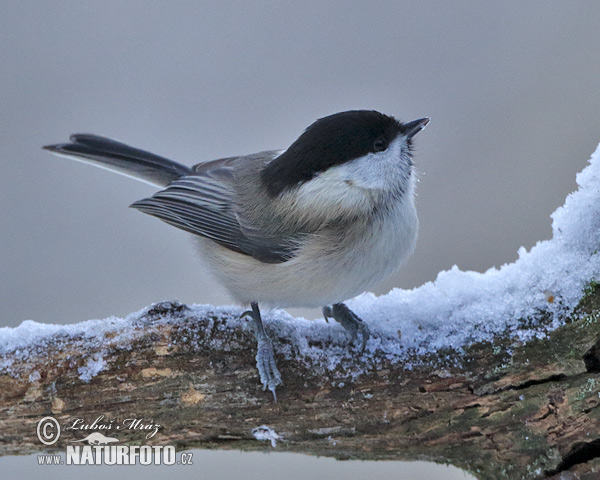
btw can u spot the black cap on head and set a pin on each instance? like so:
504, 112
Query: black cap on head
330, 141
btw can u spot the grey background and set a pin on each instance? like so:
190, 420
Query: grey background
511, 87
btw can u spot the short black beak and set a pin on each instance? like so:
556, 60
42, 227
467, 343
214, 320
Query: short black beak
414, 127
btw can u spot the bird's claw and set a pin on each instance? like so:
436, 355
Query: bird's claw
350, 321
267, 368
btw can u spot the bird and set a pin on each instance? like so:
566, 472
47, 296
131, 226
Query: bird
309, 226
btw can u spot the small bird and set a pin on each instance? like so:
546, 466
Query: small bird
310, 226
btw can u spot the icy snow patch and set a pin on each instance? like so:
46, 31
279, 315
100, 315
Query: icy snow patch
92, 368
263, 433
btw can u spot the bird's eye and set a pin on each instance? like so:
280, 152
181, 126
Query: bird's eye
380, 145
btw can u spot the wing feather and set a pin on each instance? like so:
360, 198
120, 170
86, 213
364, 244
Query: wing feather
203, 203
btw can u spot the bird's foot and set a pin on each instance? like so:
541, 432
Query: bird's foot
267, 368
349, 320
265, 356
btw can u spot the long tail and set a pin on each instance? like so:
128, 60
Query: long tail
116, 156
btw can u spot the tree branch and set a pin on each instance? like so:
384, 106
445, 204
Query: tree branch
501, 410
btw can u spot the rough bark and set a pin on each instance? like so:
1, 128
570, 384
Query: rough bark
500, 411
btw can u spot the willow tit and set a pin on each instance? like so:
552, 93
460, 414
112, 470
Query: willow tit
310, 226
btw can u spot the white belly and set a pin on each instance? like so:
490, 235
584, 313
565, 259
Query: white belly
322, 273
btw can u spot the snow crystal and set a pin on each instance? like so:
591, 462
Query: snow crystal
92, 368
266, 433
30, 333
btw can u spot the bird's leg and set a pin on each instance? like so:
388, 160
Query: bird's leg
265, 357
349, 320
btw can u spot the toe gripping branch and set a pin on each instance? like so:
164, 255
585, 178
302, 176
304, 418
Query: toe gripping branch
349, 320
265, 356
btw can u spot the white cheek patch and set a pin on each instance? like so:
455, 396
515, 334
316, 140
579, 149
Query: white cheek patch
352, 187
375, 171
331, 190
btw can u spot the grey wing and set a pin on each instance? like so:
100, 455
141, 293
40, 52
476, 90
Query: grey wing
203, 203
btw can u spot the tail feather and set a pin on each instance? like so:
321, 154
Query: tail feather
121, 158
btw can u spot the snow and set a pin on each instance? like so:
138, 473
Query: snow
30, 339
525, 299
92, 368
263, 433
